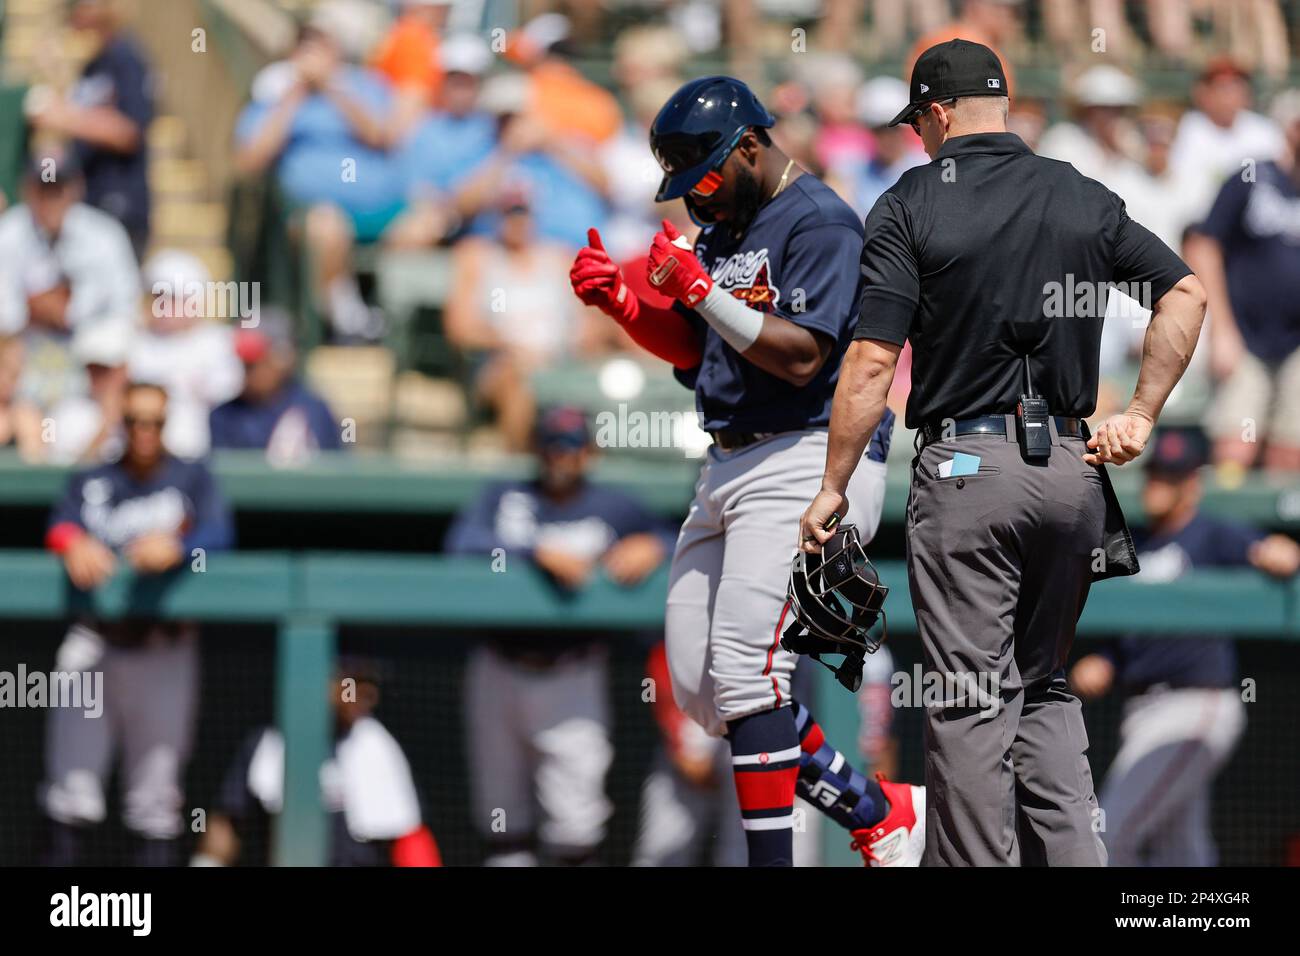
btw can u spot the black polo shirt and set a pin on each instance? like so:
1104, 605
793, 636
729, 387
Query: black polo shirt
990, 253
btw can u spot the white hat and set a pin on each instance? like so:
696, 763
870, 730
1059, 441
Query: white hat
355, 25
878, 99
505, 93
1107, 85
543, 32
1285, 108
464, 53
173, 269
106, 342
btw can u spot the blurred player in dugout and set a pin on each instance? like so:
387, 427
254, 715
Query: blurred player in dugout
366, 788
156, 515
1184, 713
536, 705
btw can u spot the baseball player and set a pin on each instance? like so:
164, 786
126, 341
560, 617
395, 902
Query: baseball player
366, 788
688, 804
154, 513
1184, 713
760, 322
536, 707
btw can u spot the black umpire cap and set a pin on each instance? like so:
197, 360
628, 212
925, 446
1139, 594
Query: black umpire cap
949, 70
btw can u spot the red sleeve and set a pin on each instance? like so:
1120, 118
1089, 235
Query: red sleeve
655, 325
61, 535
664, 708
417, 848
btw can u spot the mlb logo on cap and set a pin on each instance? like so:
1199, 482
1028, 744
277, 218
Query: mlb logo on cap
951, 70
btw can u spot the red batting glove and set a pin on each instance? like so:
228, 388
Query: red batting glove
597, 281
673, 269
663, 332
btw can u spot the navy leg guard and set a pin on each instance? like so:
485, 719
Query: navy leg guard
830, 783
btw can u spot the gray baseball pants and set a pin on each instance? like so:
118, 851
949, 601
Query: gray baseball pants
999, 564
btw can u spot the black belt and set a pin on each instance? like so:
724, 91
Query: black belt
991, 425
729, 440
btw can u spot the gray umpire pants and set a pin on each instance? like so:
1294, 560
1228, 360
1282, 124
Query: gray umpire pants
1000, 563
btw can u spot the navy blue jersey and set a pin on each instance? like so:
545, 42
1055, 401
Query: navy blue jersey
181, 497
1184, 661
118, 183
295, 421
799, 260
1258, 225
516, 516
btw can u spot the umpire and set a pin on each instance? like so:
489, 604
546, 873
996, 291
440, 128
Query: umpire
995, 264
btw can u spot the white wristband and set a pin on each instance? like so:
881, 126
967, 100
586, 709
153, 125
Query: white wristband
737, 323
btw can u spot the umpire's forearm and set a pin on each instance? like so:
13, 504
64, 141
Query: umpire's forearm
1167, 348
860, 395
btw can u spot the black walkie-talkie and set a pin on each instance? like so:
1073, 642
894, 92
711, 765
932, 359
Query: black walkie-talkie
1033, 423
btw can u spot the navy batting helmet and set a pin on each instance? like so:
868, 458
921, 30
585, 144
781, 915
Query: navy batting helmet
698, 128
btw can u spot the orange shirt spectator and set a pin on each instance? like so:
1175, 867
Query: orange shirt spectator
408, 56
981, 21
559, 97
565, 101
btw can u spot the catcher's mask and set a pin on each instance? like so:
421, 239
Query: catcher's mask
837, 598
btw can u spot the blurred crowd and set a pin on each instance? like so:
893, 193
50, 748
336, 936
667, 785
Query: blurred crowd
412, 126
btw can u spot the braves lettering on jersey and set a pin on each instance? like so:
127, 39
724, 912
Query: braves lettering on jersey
179, 498
1203, 542
798, 260
518, 518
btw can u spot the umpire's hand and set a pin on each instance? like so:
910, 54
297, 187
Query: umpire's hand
813, 532
1119, 439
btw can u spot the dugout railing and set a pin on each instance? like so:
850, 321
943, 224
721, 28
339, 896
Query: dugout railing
309, 596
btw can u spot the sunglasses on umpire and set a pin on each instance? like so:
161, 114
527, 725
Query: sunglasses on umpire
914, 120
710, 181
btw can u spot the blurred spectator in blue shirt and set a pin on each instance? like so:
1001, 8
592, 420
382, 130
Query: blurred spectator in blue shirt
107, 115
564, 175
895, 149
448, 144
320, 123
275, 411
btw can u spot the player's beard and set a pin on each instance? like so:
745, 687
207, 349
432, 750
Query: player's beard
747, 198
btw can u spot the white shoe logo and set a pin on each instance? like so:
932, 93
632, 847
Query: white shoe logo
889, 849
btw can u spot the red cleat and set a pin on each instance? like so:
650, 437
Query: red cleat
899, 839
